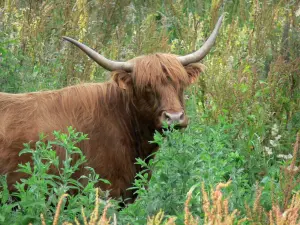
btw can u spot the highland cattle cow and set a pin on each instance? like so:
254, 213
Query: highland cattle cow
120, 116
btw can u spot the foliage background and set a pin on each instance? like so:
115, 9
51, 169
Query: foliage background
244, 109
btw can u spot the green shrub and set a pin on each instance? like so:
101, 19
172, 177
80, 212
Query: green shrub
49, 178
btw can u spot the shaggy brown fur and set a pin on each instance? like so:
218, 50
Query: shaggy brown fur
119, 116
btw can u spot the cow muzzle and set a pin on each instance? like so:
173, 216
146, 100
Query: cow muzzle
177, 118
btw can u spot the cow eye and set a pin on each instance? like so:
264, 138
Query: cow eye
148, 90
150, 93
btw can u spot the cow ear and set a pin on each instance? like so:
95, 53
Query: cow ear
123, 79
194, 70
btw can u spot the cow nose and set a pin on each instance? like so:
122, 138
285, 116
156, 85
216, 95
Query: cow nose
178, 118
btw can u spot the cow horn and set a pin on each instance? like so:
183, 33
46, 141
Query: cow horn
203, 51
101, 60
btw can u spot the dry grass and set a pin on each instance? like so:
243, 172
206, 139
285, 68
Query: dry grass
289, 217
215, 207
95, 218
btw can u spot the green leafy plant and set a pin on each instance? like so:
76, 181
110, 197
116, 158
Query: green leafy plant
49, 177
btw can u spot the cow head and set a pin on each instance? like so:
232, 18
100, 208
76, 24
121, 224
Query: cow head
156, 81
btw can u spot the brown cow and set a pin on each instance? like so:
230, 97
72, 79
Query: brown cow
119, 116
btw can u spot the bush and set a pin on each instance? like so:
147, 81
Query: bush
49, 178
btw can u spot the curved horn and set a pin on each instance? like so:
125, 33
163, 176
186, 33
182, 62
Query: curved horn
202, 52
101, 60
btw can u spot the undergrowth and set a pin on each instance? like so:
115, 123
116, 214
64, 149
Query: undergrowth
185, 164
49, 177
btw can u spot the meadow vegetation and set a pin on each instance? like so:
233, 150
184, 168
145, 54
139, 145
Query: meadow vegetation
236, 163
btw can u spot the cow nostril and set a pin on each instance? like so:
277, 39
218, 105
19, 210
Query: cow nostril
182, 116
167, 116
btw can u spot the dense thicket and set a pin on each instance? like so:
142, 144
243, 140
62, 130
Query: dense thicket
245, 108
